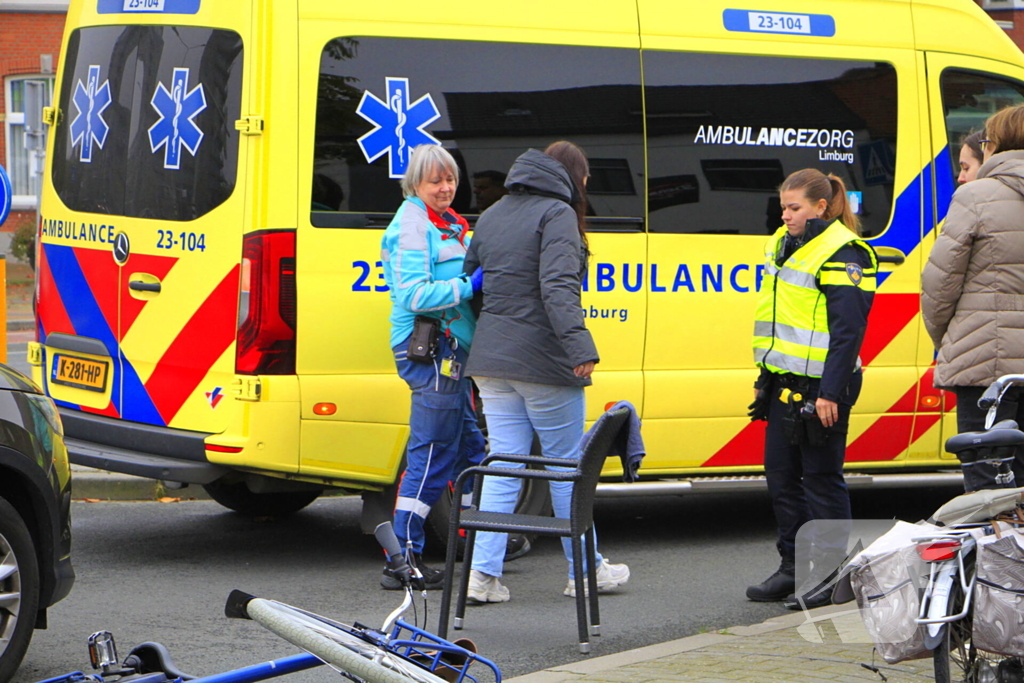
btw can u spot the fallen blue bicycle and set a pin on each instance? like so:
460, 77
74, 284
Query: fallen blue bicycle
398, 652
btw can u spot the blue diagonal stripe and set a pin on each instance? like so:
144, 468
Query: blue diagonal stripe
88, 321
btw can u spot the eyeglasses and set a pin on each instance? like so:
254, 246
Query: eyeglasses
983, 143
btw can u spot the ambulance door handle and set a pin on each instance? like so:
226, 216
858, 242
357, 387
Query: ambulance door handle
140, 286
889, 259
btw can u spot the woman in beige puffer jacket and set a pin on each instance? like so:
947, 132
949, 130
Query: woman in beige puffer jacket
972, 288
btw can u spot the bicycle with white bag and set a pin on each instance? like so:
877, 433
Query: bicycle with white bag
952, 587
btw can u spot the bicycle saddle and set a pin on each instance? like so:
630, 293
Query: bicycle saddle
1003, 433
154, 658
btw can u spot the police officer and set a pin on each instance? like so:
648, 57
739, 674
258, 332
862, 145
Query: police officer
818, 287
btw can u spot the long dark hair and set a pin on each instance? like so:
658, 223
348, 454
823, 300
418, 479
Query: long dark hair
575, 161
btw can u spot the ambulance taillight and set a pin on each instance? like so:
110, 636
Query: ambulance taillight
266, 306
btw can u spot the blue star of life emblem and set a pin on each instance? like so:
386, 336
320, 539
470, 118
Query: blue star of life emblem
90, 100
176, 129
397, 125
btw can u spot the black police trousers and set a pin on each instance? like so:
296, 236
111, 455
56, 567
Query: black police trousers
806, 482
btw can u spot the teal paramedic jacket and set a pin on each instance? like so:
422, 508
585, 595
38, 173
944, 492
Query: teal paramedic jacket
423, 254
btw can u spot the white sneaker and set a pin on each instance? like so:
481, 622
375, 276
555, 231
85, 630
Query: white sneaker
609, 576
486, 588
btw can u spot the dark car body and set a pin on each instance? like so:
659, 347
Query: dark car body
35, 479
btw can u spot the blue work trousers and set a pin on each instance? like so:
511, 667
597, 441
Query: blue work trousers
443, 437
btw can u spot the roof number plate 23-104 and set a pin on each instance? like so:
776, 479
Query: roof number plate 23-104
753, 21
81, 373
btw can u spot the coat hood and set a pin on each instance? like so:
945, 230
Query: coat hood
1007, 168
539, 172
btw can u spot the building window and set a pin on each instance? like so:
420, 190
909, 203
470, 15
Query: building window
18, 162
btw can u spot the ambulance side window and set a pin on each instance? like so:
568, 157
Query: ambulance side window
147, 121
968, 99
379, 97
724, 131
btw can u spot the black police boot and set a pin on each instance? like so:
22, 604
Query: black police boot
776, 587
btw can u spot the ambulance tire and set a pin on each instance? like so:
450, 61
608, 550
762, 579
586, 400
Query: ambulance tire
238, 497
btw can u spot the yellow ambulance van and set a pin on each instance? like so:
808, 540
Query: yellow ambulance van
211, 302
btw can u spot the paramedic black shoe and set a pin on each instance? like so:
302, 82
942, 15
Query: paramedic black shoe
776, 587
433, 578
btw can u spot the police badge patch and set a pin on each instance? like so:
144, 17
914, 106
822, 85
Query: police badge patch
855, 272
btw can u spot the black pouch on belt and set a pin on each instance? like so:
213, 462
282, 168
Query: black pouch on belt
423, 342
817, 433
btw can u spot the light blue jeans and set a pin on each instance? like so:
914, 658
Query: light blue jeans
514, 410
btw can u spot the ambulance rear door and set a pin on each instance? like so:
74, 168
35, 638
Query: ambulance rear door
156, 103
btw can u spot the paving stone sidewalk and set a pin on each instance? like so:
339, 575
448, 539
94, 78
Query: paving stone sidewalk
827, 644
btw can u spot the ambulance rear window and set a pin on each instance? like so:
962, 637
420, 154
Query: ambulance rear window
487, 103
147, 117
724, 131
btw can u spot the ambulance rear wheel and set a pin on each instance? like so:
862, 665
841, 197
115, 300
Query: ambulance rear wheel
238, 497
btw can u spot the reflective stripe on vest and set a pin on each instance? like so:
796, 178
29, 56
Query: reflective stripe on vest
791, 331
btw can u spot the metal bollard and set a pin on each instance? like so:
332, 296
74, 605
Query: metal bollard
3, 307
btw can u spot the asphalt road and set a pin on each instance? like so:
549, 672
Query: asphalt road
161, 571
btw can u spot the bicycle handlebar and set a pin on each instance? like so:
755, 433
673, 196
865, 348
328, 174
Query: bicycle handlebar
996, 390
385, 535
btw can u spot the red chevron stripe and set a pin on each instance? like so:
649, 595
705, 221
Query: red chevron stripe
109, 411
922, 424
157, 266
746, 448
889, 436
202, 340
890, 314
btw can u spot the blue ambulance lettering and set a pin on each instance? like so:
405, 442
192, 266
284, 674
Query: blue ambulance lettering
397, 125
72, 230
176, 128
681, 277
88, 126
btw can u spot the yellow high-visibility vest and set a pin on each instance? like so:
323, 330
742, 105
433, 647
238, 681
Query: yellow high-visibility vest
791, 323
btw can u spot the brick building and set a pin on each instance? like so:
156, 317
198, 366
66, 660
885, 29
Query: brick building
1008, 14
30, 35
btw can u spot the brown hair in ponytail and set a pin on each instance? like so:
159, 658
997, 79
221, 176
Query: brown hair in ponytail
816, 185
575, 161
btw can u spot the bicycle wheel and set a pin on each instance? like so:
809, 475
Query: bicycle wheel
956, 660
341, 650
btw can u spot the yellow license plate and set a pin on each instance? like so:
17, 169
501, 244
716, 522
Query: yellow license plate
79, 372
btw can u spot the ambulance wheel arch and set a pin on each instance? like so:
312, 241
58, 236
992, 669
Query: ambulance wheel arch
271, 498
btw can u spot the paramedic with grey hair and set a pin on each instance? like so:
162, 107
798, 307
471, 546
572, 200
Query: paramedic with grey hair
423, 251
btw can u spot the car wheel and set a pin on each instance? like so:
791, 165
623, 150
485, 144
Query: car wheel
19, 589
238, 497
